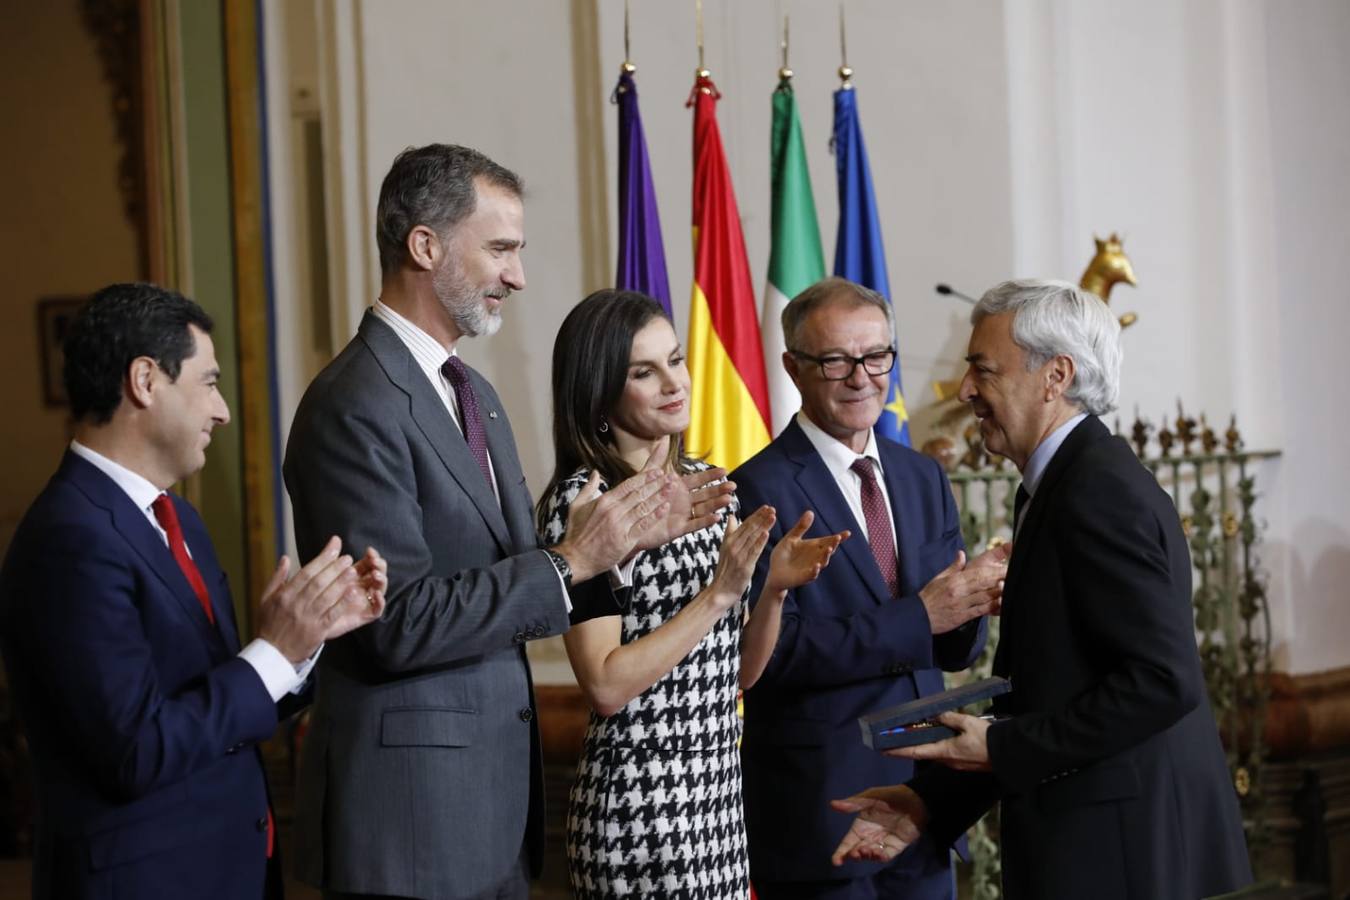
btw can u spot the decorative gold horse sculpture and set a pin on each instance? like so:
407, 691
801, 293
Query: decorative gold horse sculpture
1107, 269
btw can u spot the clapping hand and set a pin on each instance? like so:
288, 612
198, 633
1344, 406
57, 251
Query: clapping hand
326, 598
696, 500
741, 547
795, 560
603, 529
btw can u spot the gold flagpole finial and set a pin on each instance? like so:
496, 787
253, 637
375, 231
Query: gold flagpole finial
627, 66
698, 27
845, 73
785, 73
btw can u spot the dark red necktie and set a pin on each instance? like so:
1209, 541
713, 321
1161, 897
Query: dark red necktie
471, 423
878, 521
167, 517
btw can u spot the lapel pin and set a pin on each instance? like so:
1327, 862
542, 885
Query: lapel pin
492, 414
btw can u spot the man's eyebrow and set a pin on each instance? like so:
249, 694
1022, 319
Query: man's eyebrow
506, 244
211, 374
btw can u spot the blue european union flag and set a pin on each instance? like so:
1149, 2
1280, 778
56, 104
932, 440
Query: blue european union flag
858, 252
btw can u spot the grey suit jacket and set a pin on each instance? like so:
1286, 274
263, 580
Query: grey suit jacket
421, 774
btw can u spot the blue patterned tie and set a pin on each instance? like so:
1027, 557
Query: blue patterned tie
457, 374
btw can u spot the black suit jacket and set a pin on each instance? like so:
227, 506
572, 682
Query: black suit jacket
1111, 775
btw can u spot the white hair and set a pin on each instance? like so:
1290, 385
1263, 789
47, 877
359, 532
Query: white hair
1055, 318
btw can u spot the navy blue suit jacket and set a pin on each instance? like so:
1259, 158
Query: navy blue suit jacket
846, 649
141, 719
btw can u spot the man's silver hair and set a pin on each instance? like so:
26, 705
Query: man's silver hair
1053, 318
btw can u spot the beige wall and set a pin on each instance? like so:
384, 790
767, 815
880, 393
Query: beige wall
1002, 136
62, 229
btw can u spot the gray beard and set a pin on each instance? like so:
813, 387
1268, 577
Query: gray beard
472, 318
465, 306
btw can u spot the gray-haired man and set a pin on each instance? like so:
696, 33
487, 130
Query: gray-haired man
1110, 773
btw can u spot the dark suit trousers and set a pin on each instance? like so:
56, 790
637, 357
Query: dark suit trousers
516, 886
933, 882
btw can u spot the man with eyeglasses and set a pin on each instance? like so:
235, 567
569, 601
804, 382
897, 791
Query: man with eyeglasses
875, 629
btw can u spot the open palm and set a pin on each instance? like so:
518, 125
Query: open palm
796, 560
888, 821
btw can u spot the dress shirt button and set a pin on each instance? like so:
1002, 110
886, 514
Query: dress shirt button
262, 823
526, 714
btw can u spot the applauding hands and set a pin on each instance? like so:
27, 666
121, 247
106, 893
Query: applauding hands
796, 560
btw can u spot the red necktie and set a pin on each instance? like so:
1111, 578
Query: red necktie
878, 521
167, 517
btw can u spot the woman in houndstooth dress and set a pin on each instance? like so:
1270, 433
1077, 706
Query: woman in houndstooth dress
656, 808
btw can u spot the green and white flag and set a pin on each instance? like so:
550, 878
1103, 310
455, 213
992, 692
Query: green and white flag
795, 259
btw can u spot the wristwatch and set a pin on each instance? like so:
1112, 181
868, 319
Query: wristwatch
560, 563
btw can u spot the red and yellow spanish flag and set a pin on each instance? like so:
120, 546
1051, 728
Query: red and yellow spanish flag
729, 410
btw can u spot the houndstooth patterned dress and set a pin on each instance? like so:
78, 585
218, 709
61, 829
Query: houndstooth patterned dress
656, 807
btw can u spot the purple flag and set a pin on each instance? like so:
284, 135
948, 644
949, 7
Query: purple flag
642, 256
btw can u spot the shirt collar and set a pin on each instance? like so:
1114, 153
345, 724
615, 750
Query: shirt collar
135, 486
429, 352
837, 455
1045, 451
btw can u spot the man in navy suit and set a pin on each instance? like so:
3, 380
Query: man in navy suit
875, 629
142, 712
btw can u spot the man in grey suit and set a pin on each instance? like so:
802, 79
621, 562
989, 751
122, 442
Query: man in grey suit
421, 770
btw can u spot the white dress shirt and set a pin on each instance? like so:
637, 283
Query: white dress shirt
1040, 460
430, 356
838, 458
278, 675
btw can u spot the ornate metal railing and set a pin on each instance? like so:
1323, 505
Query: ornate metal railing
1215, 494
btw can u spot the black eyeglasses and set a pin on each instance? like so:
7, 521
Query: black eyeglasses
837, 367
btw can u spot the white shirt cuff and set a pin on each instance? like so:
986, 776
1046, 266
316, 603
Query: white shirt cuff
278, 675
622, 575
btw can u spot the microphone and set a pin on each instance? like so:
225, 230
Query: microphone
946, 290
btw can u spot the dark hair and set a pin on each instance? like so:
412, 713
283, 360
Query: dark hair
431, 186
824, 292
590, 368
119, 324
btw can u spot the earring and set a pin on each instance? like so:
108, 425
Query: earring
604, 426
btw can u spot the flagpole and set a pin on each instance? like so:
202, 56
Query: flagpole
641, 253
785, 73
702, 71
627, 53
628, 67
845, 73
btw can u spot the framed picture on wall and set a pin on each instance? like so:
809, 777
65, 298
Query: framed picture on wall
54, 315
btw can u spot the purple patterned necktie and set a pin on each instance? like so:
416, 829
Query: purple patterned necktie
457, 374
878, 525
